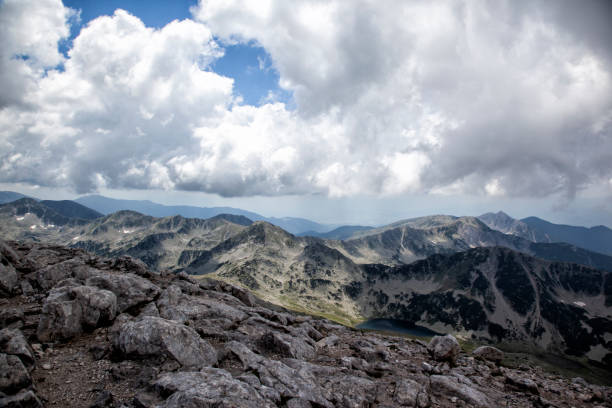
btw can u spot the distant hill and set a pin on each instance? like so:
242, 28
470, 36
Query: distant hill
9, 196
410, 240
72, 209
597, 239
340, 233
107, 205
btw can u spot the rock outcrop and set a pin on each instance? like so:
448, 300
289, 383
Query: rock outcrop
94, 332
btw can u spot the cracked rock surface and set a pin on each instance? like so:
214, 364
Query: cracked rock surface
83, 331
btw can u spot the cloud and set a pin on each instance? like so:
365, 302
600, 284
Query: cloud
29, 34
501, 99
491, 94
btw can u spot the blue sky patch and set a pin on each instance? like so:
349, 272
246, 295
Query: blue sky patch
254, 75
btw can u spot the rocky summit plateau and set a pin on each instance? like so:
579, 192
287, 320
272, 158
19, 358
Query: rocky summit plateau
80, 330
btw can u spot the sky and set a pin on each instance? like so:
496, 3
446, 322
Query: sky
359, 112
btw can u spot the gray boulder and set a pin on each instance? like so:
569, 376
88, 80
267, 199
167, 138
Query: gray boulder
9, 280
515, 383
286, 345
13, 374
489, 353
7, 253
70, 310
13, 342
131, 290
126, 263
410, 393
444, 348
25, 399
448, 386
287, 381
11, 317
210, 317
207, 388
153, 336
49, 276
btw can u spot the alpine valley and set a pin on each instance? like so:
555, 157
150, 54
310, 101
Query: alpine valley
489, 279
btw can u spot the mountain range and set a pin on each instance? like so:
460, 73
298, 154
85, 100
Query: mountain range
445, 273
598, 238
107, 206
534, 229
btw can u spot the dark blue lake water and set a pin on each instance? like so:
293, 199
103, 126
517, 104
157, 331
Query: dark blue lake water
397, 326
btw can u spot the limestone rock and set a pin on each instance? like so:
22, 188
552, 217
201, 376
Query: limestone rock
153, 336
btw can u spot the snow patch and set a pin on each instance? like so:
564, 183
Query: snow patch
20, 218
33, 227
580, 304
127, 231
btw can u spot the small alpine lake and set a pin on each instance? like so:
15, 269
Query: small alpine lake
396, 326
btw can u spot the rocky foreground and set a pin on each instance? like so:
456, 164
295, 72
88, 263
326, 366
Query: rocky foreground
79, 330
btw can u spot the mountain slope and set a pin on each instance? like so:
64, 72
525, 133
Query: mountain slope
490, 293
340, 233
410, 240
72, 209
502, 222
598, 239
8, 196
299, 272
29, 219
496, 293
407, 241
159, 242
107, 205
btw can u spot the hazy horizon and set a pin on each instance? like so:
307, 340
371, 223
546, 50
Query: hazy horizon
367, 212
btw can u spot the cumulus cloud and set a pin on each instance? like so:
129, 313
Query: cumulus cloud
504, 99
500, 98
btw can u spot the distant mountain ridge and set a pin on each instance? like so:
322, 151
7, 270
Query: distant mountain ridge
72, 209
108, 205
340, 233
8, 196
597, 239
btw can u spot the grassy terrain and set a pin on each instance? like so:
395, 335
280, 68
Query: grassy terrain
326, 310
